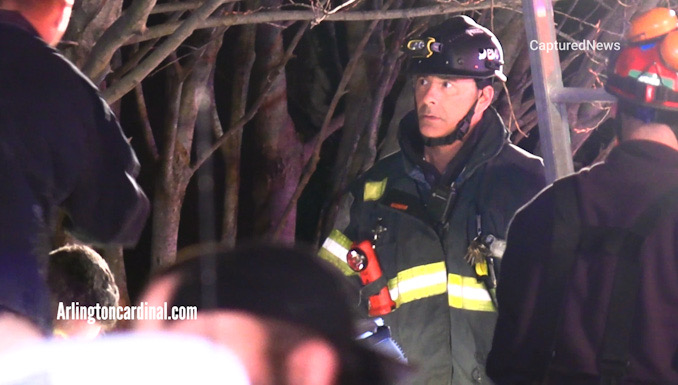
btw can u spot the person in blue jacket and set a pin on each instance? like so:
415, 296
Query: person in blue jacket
62, 152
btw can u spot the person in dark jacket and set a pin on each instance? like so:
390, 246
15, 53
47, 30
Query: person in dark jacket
61, 151
588, 291
439, 208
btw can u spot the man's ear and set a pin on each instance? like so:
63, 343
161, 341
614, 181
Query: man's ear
313, 362
485, 99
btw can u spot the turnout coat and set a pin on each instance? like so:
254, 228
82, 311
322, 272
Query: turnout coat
444, 318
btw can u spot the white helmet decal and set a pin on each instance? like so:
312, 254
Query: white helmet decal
489, 54
474, 31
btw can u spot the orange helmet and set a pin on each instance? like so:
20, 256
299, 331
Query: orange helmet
669, 49
645, 71
652, 24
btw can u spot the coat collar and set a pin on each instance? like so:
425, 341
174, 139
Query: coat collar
17, 20
491, 136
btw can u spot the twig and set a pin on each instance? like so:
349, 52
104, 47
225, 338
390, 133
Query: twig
139, 54
568, 12
588, 23
339, 8
277, 16
131, 21
513, 114
146, 123
134, 77
181, 6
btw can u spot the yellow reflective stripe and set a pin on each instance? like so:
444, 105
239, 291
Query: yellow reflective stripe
374, 190
481, 268
334, 250
418, 282
467, 293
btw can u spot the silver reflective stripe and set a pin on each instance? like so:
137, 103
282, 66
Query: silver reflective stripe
418, 282
334, 250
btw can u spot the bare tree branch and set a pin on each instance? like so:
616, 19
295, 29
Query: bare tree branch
139, 54
257, 104
175, 7
145, 122
134, 77
392, 62
181, 6
584, 22
132, 61
279, 16
133, 20
334, 126
312, 163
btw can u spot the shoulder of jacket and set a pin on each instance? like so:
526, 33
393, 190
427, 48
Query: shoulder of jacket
517, 163
516, 170
388, 167
564, 187
514, 154
65, 78
373, 183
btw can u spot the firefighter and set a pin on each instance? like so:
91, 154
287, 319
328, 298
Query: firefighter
588, 293
436, 212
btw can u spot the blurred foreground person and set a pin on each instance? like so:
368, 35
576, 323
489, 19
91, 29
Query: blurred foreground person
61, 150
589, 291
79, 276
148, 358
283, 311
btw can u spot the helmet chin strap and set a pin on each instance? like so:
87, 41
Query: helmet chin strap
462, 129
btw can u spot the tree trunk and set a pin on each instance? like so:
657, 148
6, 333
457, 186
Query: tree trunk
188, 85
244, 57
279, 147
167, 202
231, 150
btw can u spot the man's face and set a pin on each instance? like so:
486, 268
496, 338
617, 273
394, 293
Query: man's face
442, 102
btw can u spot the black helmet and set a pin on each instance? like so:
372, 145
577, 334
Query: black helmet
458, 46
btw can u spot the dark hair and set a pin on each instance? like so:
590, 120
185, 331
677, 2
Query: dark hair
482, 83
77, 273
